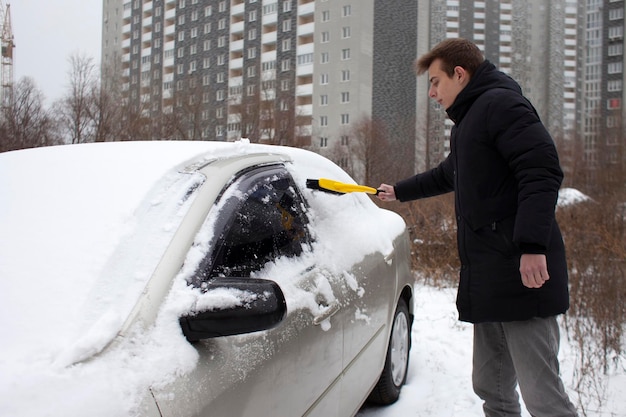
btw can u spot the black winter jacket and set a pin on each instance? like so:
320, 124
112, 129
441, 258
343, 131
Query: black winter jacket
505, 172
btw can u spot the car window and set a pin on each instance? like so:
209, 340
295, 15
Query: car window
263, 220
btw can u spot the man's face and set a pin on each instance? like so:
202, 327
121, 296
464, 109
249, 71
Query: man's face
443, 88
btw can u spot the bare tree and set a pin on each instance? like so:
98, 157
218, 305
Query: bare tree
24, 122
76, 108
364, 152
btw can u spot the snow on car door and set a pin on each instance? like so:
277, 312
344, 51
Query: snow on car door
292, 369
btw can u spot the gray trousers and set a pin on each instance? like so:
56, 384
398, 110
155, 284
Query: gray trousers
524, 352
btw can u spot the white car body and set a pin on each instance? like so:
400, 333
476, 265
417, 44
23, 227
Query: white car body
106, 255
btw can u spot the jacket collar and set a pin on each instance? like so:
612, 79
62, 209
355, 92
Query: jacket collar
485, 78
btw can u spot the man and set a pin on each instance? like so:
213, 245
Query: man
505, 172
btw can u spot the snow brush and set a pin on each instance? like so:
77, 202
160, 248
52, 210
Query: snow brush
336, 187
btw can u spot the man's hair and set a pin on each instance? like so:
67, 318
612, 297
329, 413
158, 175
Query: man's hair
452, 53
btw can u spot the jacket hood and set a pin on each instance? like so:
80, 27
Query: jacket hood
486, 78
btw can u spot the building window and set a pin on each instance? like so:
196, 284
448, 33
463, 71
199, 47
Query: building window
345, 32
345, 75
614, 104
206, 62
305, 59
285, 85
345, 54
219, 95
251, 53
615, 68
207, 28
252, 16
616, 14
324, 100
221, 41
323, 142
616, 32
269, 8
614, 85
325, 37
286, 44
323, 79
285, 65
208, 11
222, 6
194, 32
325, 16
251, 71
324, 58
206, 45
323, 120
286, 25
344, 140
345, 119
345, 97
286, 6
616, 49
252, 34
346, 11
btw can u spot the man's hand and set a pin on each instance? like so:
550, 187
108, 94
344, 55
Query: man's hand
534, 270
386, 192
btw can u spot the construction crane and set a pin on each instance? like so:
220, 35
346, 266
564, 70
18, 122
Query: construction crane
6, 73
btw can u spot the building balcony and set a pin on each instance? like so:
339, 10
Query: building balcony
270, 19
237, 27
306, 9
306, 29
237, 9
236, 45
304, 69
236, 63
304, 110
268, 37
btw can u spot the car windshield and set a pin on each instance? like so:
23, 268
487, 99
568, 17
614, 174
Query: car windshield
72, 209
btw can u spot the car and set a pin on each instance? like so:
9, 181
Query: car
195, 278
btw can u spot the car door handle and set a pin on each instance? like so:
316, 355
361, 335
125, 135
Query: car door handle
328, 313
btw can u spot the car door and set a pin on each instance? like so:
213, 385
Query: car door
293, 369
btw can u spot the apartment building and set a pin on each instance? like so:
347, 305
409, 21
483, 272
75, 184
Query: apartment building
534, 41
295, 72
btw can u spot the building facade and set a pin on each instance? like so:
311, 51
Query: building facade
293, 72
534, 41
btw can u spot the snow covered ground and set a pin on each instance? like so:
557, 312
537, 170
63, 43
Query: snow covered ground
439, 379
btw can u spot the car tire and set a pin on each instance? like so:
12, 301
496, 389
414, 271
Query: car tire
393, 377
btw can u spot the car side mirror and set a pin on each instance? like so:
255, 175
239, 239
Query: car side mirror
264, 309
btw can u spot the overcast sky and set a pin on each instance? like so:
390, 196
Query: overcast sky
46, 33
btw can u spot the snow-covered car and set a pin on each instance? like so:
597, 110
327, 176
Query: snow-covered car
175, 278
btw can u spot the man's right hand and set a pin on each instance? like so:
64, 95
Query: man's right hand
386, 192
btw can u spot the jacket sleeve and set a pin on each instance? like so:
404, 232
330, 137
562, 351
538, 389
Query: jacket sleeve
530, 152
439, 180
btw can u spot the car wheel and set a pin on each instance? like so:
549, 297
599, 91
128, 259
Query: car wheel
387, 390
